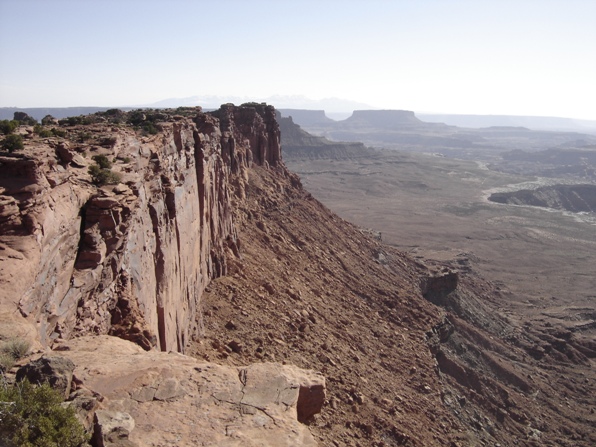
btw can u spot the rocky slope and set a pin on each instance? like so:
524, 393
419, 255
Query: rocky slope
211, 247
413, 354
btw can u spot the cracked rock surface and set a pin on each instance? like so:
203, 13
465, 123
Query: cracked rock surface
173, 399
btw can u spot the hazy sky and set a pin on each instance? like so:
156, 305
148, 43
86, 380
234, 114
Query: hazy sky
523, 57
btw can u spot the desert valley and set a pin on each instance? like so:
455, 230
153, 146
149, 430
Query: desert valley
247, 276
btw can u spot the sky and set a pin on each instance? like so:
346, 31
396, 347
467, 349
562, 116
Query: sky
522, 57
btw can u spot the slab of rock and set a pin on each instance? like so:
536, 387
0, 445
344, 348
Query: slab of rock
55, 370
177, 400
112, 429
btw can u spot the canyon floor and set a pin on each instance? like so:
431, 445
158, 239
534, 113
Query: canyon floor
437, 208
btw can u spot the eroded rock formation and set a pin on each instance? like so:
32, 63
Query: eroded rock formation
131, 259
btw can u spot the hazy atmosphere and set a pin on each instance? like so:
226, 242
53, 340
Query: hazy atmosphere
489, 57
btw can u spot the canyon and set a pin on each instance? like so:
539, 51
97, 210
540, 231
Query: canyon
208, 297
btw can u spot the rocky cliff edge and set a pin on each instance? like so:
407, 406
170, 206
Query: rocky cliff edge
131, 259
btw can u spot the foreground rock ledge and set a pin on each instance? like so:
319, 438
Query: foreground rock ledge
177, 400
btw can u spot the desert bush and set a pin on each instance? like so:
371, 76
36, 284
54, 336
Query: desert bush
17, 348
146, 119
32, 416
59, 132
42, 131
8, 127
102, 161
76, 120
84, 136
13, 143
149, 128
6, 363
104, 176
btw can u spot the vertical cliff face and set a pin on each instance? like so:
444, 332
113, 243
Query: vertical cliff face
132, 259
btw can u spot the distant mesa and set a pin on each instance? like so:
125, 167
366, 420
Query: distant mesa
298, 143
574, 198
550, 123
383, 119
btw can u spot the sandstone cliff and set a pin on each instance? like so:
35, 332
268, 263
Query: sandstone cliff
131, 259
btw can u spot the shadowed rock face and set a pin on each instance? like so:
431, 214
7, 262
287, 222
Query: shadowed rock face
382, 119
133, 259
574, 198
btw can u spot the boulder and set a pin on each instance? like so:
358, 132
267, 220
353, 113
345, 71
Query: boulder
56, 371
64, 153
112, 429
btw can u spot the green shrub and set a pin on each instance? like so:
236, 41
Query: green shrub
42, 131
13, 143
104, 176
8, 127
149, 128
84, 136
76, 120
59, 132
103, 161
32, 416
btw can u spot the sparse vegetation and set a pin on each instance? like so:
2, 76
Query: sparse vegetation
17, 348
101, 171
11, 351
6, 362
8, 126
13, 142
44, 132
76, 120
102, 161
32, 416
84, 136
146, 120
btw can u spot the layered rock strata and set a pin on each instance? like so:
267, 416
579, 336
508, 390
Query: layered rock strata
132, 259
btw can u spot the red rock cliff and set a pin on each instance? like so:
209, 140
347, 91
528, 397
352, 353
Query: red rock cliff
133, 259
